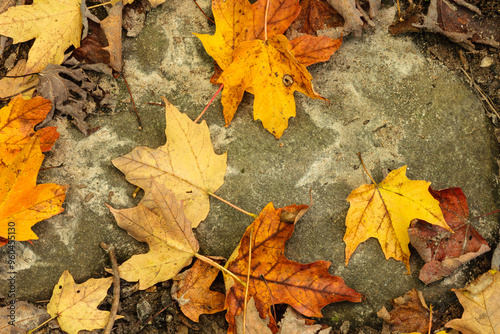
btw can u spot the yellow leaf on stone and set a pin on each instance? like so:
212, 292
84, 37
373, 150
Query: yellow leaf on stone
168, 233
186, 164
271, 73
385, 210
55, 24
75, 305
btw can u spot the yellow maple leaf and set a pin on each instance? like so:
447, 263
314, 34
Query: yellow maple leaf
55, 24
385, 210
168, 233
270, 71
23, 202
186, 164
75, 305
481, 306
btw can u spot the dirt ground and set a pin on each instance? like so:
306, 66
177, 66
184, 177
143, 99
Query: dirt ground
154, 311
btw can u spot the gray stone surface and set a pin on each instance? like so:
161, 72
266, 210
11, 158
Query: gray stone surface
387, 100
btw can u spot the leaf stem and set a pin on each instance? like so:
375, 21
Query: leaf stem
265, 21
209, 103
248, 281
366, 170
254, 216
42, 324
218, 266
133, 102
201, 10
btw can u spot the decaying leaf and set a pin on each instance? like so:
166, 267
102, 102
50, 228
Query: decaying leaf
112, 27
17, 121
22, 201
75, 305
191, 289
481, 306
354, 14
442, 250
294, 323
21, 317
385, 210
410, 314
272, 73
24, 85
273, 278
55, 24
168, 233
252, 323
134, 16
316, 15
186, 164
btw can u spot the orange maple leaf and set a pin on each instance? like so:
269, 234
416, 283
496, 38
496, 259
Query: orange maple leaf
273, 278
23, 203
17, 121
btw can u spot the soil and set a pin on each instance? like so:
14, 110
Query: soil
154, 311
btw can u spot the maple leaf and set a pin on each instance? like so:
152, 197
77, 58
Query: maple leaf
55, 24
191, 289
17, 122
168, 233
442, 250
186, 164
273, 278
385, 210
272, 72
75, 305
481, 306
22, 201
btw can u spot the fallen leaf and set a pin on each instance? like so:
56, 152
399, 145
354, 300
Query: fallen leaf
410, 314
481, 306
68, 90
273, 278
443, 251
168, 233
17, 122
91, 50
112, 27
186, 164
25, 85
385, 210
310, 50
55, 24
253, 323
294, 323
19, 317
22, 201
316, 15
191, 290
75, 305
270, 70
353, 14
134, 16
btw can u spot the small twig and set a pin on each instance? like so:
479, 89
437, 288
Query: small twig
366, 170
209, 103
45, 168
116, 287
480, 91
201, 10
248, 281
155, 315
133, 102
254, 216
156, 104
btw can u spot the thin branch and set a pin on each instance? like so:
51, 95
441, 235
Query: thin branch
133, 102
209, 103
254, 216
366, 170
201, 10
116, 287
480, 91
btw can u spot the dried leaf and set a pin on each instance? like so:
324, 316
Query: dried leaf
10, 87
294, 323
310, 50
112, 27
253, 323
168, 233
385, 210
273, 278
481, 306
191, 289
186, 164
19, 317
22, 202
134, 16
442, 250
410, 313
316, 15
55, 24
75, 305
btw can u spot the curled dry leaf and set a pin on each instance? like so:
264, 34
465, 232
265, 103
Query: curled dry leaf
186, 164
481, 306
75, 305
273, 278
56, 25
168, 233
385, 210
442, 250
191, 289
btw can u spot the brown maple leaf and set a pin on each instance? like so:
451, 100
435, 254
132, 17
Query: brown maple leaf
316, 15
442, 250
273, 278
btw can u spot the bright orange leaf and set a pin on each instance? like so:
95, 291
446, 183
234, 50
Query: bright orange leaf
22, 201
385, 210
17, 121
273, 278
